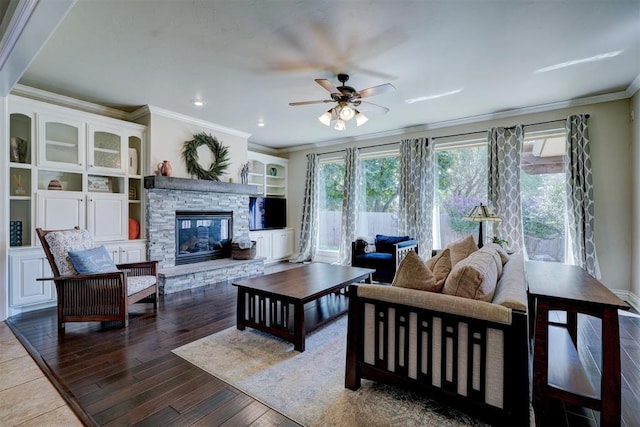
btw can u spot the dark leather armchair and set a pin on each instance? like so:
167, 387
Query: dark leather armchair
384, 254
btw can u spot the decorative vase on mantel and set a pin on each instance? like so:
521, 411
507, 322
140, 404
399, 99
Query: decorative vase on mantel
165, 168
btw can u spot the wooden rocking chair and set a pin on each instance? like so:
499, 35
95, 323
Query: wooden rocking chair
95, 297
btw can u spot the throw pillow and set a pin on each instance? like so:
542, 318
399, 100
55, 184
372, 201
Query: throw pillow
474, 277
496, 257
95, 260
460, 249
385, 243
504, 256
413, 273
440, 266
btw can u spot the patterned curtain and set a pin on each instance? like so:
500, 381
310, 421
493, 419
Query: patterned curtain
504, 183
417, 159
580, 214
308, 242
350, 204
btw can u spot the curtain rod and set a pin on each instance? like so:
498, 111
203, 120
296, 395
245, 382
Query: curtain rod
455, 135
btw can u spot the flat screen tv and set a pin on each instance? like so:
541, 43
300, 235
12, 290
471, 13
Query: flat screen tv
267, 212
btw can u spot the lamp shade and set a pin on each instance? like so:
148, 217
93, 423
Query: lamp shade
481, 213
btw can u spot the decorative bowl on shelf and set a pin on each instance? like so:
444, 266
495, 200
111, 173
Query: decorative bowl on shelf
54, 184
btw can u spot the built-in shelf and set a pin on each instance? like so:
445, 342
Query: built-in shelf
61, 143
106, 150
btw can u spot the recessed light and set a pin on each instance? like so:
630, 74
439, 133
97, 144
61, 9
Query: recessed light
261, 124
198, 102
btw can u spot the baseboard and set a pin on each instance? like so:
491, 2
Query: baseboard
629, 297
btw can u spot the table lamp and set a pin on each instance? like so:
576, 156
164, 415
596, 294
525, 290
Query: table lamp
480, 214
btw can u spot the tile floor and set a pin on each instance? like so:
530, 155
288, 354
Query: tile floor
27, 398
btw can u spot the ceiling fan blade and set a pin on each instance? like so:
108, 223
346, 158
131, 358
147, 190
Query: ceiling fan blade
294, 104
372, 108
376, 90
327, 85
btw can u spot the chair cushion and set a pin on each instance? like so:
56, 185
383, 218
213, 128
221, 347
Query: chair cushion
385, 243
440, 266
460, 249
136, 284
374, 258
413, 273
62, 242
94, 260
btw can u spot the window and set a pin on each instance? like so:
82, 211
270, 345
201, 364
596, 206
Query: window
461, 183
330, 207
542, 188
379, 198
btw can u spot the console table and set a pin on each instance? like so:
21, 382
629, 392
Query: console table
571, 289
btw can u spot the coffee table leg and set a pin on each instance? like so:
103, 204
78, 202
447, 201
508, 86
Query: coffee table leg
298, 327
240, 309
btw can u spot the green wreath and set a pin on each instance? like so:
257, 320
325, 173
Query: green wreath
219, 151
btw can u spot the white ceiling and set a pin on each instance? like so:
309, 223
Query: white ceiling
249, 58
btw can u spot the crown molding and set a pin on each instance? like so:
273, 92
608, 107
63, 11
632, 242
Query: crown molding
67, 101
252, 146
633, 86
615, 96
188, 119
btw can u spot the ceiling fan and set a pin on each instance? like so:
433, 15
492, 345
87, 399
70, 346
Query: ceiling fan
347, 99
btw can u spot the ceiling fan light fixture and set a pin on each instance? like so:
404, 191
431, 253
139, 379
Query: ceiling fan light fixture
347, 113
340, 125
325, 118
361, 118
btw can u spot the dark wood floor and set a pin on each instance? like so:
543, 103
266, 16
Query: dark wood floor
129, 376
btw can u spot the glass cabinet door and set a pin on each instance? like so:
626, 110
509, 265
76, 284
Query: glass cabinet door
106, 150
61, 142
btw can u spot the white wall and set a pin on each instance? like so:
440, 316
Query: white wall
167, 135
610, 132
635, 198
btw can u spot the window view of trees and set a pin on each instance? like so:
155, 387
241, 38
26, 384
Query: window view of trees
542, 188
331, 190
379, 206
462, 184
461, 180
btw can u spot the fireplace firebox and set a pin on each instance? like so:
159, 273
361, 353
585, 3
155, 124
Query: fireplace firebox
203, 236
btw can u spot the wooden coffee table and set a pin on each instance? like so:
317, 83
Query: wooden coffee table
275, 303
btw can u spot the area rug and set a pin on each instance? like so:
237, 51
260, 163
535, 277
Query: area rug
309, 387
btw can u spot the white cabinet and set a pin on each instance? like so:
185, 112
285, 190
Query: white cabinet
60, 210
263, 243
70, 168
61, 142
133, 251
106, 217
282, 243
268, 173
107, 150
274, 245
25, 267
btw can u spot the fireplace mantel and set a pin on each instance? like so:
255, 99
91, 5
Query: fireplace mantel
160, 182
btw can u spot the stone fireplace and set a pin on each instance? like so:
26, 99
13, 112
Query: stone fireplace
211, 212
203, 236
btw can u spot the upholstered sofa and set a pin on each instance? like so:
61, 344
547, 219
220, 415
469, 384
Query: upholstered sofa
382, 253
467, 351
